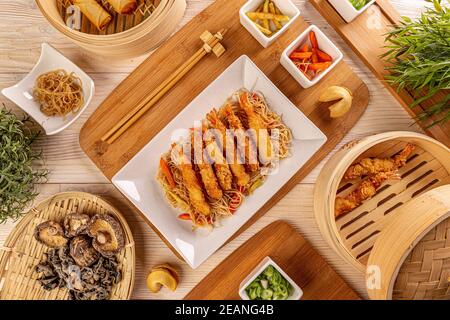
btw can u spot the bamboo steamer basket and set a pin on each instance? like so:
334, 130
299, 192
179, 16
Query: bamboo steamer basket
412, 254
118, 44
21, 252
353, 235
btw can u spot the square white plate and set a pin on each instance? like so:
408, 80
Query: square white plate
347, 10
325, 44
137, 179
287, 7
22, 92
297, 292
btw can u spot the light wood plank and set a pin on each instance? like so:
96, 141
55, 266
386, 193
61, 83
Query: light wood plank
23, 29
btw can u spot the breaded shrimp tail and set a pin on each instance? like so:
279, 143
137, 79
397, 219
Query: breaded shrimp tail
371, 166
206, 171
223, 173
210, 182
251, 156
195, 190
366, 189
257, 124
238, 170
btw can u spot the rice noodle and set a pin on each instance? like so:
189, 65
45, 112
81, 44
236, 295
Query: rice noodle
58, 93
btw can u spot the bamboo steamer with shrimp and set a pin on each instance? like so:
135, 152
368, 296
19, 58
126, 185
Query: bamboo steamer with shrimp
366, 183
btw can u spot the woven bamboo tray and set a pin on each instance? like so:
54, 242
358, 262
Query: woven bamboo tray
127, 35
353, 235
412, 254
21, 252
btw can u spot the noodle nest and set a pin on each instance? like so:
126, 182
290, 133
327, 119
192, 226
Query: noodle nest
58, 93
232, 199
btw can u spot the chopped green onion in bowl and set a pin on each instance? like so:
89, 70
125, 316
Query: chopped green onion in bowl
269, 285
359, 4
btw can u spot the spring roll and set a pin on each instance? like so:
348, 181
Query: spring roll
94, 12
123, 6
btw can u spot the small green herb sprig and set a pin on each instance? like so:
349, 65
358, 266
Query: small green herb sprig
17, 175
419, 56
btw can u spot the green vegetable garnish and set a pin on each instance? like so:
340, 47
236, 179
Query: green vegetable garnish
359, 4
269, 285
17, 175
258, 183
419, 57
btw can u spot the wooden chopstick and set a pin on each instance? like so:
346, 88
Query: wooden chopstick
145, 107
135, 110
128, 120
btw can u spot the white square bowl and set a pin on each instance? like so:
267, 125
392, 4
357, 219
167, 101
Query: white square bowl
22, 92
347, 10
267, 261
137, 179
287, 7
325, 45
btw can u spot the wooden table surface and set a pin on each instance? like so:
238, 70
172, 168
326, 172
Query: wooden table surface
23, 29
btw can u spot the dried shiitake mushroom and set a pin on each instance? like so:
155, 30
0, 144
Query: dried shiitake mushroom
75, 224
51, 234
82, 251
107, 234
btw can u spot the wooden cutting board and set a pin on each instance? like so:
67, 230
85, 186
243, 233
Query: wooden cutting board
373, 24
291, 252
165, 60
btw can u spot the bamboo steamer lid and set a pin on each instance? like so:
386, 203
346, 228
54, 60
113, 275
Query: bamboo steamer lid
411, 257
116, 43
353, 235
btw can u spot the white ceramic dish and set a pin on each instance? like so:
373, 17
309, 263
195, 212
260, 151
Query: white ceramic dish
137, 180
22, 92
325, 45
267, 261
287, 7
347, 10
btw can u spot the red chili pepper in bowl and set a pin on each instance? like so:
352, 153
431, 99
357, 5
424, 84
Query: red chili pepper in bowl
305, 48
309, 59
323, 57
314, 56
313, 40
300, 55
320, 66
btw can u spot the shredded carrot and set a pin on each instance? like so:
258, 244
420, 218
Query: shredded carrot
184, 216
306, 74
234, 203
167, 173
